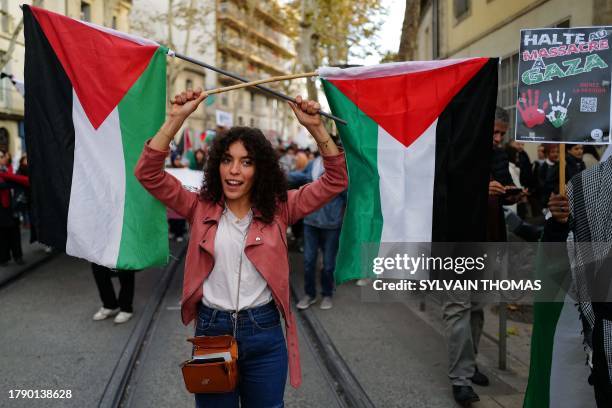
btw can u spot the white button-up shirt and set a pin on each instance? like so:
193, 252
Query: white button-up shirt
221, 287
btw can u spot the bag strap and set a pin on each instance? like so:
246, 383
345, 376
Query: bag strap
235, 314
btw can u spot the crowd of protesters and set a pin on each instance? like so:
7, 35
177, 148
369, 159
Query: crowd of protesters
519, 194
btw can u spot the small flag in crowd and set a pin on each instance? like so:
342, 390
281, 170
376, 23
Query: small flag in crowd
417, 142
94, 95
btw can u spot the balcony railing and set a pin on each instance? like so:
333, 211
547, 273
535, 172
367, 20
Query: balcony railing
252, 75
258, 54
11, 101
282, 41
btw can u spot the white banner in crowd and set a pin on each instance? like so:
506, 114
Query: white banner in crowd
224, 119
192, 179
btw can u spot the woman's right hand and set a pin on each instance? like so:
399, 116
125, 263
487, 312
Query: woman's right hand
183, 105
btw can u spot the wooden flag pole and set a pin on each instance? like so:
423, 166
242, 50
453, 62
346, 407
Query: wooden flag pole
562, 169
242, 79
260, 81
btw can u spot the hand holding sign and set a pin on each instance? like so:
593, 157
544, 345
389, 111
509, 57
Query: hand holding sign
558, 113
531, 114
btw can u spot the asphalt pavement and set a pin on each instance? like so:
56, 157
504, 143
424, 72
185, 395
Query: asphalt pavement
49, 341
399, 354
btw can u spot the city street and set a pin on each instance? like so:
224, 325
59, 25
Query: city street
396, 353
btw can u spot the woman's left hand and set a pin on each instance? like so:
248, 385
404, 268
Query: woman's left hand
307, 112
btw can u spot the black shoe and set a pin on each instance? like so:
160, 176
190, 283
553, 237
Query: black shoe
20, 261
464, 395
480, 379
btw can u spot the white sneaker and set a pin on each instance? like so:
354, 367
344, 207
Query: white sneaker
123, 317
105, 313
363, 282
326, 303
305, 302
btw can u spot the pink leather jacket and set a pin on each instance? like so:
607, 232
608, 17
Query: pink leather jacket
266, 244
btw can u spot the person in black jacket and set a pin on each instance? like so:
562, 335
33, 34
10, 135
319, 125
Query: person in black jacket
548, 182
10, 234
587, 203
573, 160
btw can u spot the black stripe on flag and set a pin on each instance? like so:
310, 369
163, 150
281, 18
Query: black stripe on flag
49, 134
464, 145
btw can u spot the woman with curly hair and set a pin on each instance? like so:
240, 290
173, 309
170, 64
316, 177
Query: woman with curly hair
237, 268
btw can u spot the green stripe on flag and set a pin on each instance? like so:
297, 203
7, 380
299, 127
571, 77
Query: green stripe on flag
545, 317
144, 238
553, 271
363, 217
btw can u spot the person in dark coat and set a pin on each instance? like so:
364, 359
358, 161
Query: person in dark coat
548, 173
23, 196
10, 234
573, 160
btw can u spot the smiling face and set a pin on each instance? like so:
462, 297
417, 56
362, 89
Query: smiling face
237, 171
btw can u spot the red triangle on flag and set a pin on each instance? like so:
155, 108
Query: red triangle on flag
101, 66
406, 105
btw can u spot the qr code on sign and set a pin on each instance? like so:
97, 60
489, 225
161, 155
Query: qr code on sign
588, 104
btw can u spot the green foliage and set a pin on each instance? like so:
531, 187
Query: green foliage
338, 25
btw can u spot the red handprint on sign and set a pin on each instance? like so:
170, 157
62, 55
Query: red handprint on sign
531, 114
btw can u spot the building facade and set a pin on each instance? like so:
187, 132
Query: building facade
252, 41
474, 28
245, 37
111, 13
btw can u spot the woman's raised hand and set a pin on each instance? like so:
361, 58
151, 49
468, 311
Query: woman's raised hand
185, 103
306, 112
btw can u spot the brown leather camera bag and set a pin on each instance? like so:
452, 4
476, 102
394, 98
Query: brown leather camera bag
213, 377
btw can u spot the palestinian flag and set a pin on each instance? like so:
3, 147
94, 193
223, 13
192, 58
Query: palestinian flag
93, 96
558, 371
418, 146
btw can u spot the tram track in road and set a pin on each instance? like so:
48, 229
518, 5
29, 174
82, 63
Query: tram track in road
346, 387
132, 378
7, 279
118, 384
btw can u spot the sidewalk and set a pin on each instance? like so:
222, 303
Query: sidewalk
33, 255
518, 351
399, 354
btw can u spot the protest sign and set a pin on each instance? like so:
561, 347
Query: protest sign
564, 85
224, 119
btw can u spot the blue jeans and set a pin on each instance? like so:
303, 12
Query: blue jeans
327, 240
262, 357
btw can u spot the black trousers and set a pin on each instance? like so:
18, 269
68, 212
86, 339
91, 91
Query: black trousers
103, 275
10, 243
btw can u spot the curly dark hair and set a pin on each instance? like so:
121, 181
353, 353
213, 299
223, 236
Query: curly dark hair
270, 183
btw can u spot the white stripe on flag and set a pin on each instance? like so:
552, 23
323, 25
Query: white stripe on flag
97, 196
568, 371
385, 70
406, 186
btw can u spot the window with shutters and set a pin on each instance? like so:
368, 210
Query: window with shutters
85, 11
461, 9
5, 18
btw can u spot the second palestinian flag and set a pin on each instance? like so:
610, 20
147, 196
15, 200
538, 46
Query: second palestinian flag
93, 96
418, 146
